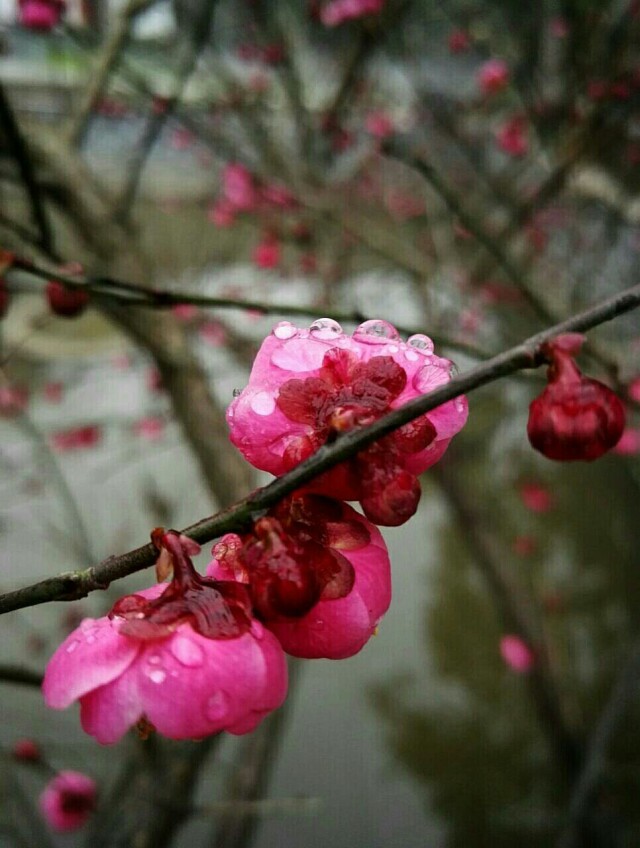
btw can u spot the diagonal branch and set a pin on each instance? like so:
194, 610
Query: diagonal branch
77, 584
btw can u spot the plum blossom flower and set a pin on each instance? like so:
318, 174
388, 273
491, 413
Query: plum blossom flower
493, 77
517, 654
238, 187
575, 417
318, 573
185, 657
26, 751
309, 385
536, 496
40, 15
68, 801
266, 254
338, 11
512, 137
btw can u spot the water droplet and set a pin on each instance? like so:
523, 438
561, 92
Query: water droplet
411, 355
187, 652
236, 392
72, 646
325, 328
154, 659
421, 342
216, 706
263, 403
459, 405
320, 624
393, 348
376, 331
284, 330
453, 370
90, 639
157, 675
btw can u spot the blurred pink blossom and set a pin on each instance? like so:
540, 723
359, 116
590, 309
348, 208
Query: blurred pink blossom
517, 654
68, 801
493, 77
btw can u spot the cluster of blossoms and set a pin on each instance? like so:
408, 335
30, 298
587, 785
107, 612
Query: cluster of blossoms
311, 577
201, 654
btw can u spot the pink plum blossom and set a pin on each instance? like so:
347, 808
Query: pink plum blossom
629, 443
512, 137
536, 497
379, 124
309, 385
222, 213
238, 187
338, 11
26, 750
76, 438
40, 15
150, 428
68, 801
517, 654
13, 400
318, 572
266, 254
185, 657
458, 41
493, 77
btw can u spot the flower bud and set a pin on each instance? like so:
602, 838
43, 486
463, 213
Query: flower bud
575, 417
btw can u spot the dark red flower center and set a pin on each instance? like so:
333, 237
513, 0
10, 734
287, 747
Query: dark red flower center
348, 393
214, 609
74, 801
292, 556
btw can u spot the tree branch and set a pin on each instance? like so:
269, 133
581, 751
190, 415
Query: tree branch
76, 584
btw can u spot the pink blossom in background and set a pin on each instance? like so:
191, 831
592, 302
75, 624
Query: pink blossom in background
238, 187
154, 380
629, 442
185, 657
493, 77
633, 389
13, 400
185, 311
517, 655
379, 124
68, 800
40, 15
266, 254
274, 194
512, 137
318, 572
76, 438
213, 333
337, 12
458, 41
308, 384
536, 497
221, 213
150, 428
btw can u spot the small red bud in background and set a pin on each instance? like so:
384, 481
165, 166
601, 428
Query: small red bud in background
26, 750
575, 417
66, 302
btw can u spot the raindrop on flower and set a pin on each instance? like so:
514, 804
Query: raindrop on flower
263, 403
325, 328
284, 330
157, 675
376, 331
421, 342
187, 652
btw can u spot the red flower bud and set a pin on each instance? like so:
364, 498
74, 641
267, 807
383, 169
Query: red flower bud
64, 301
575, 417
